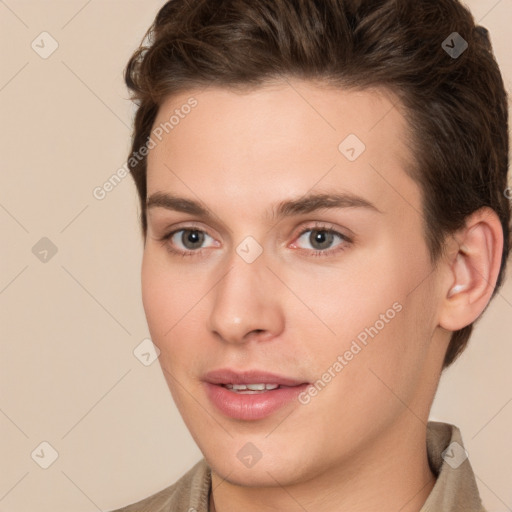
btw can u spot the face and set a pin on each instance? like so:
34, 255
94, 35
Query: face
294, 256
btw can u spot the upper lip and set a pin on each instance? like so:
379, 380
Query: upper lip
227, 376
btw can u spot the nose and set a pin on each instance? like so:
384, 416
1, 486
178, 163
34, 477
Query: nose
246, 303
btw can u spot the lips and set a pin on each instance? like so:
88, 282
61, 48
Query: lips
252, 394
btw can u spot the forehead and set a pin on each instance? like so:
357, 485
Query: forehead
283, 138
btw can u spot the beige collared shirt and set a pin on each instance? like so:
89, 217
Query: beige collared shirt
455, 488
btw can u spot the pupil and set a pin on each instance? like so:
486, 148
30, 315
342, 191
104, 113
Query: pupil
193, 240
323, 238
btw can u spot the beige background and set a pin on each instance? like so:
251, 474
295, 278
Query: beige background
68, 375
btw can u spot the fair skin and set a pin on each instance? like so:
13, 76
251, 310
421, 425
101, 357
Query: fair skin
360, 443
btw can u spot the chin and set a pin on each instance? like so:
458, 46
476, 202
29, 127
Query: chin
232, 462
262, 474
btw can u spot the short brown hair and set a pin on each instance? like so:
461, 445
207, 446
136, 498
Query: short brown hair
456, 106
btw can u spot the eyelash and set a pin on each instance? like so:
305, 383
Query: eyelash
315, 253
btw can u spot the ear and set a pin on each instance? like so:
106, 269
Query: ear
472, 269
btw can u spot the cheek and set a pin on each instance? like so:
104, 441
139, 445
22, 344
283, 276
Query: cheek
346, 299
172, 305
154, 298
162, 295
365, 309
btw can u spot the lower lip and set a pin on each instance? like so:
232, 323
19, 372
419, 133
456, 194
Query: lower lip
251, 406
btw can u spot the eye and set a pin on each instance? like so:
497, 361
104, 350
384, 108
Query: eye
186, 241
321, 240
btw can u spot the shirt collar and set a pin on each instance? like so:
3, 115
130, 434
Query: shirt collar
455, 487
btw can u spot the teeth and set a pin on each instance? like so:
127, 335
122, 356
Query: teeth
251, 387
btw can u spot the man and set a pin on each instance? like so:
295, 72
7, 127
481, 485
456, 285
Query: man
322, 190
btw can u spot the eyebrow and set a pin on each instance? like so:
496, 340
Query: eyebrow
306, 204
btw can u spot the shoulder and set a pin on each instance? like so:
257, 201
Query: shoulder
190, 492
